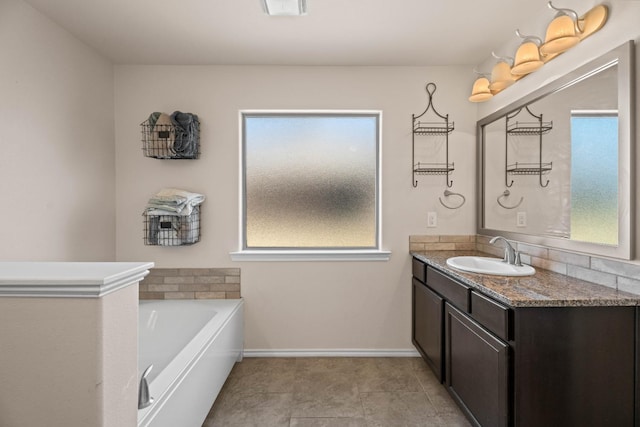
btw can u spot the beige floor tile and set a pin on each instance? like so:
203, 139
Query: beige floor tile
328, 422
326, 399
262, 375
454, 420
386, 374
436, 392
334, 392
402, 409
343, 365
251, 410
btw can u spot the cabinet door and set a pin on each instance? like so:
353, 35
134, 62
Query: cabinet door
477, 374
427, 326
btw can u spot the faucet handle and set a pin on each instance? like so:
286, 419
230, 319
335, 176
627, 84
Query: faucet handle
506, 255
518, 260
144, 397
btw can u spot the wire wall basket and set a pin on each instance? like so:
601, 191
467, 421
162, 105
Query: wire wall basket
166, 140
172, 230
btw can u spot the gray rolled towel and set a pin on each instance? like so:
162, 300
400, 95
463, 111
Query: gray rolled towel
187, 134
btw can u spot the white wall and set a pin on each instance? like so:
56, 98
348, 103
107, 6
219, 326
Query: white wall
303, 305
57, 162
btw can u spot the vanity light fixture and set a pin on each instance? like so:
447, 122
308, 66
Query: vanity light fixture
562, 33
527, 56
565, 31
480, 91
285, 7
501, 76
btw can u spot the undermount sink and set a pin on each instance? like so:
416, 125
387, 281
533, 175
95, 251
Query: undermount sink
486, 265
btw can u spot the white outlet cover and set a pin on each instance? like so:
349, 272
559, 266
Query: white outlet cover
432, 219
521, 219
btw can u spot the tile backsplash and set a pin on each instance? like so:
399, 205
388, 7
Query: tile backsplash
191, 283
617, 274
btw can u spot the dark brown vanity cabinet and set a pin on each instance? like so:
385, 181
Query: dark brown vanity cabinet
427, 321
477, 369
527, 365
427, 326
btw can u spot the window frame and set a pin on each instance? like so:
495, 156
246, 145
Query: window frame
245, 253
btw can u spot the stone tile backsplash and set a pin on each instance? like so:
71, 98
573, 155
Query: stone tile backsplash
442, 243
617, 274
191, 283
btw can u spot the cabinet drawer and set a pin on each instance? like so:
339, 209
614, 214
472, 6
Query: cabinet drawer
492, 315
419, 270
457, 293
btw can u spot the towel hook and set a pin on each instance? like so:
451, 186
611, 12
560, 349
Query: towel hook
507, 193
448, 193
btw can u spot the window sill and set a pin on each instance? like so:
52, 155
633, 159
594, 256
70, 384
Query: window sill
328, 255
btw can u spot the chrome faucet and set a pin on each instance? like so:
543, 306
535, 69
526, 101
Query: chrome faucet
511, 256
144, 398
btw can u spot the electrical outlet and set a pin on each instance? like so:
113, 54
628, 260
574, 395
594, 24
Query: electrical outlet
521, 219
432, 219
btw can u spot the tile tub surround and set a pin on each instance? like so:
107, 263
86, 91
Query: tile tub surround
191, 283
340, 392
617, 274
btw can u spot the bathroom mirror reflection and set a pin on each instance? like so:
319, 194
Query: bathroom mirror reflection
556, 167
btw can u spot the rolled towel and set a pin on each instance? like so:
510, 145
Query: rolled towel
190, 227
168, 231
187, 136
176, 201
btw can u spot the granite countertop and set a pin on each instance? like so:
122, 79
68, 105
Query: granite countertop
543, 289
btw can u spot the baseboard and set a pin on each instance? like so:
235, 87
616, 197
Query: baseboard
330, 353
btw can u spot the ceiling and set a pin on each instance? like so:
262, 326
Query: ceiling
335, 32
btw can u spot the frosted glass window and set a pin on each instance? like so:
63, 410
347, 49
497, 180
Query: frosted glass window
594, 153
311, 180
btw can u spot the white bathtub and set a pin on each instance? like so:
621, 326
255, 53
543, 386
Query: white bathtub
192, 344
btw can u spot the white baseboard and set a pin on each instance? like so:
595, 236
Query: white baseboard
331, 353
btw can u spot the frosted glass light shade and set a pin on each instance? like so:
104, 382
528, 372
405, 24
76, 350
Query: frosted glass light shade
561, 36
527, 59
480, 91
501, 77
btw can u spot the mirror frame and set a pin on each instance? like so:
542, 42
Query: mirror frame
623, 56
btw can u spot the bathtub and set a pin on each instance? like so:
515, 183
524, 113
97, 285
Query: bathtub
192, 344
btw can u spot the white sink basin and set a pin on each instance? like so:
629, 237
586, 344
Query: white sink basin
486, 265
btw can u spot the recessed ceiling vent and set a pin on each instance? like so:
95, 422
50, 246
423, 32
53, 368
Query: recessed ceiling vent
285, 7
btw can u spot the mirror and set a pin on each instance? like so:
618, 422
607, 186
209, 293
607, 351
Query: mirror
555, 168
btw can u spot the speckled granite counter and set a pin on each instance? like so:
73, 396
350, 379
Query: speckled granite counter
543, 289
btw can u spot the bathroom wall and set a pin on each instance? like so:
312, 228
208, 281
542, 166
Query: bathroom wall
57, 164
295, 305
620, 27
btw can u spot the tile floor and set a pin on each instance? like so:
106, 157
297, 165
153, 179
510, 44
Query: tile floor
328, 392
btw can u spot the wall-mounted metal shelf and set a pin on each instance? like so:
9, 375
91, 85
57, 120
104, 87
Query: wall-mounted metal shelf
535, 128
529, 128
529, 168
431, 128
433, 168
